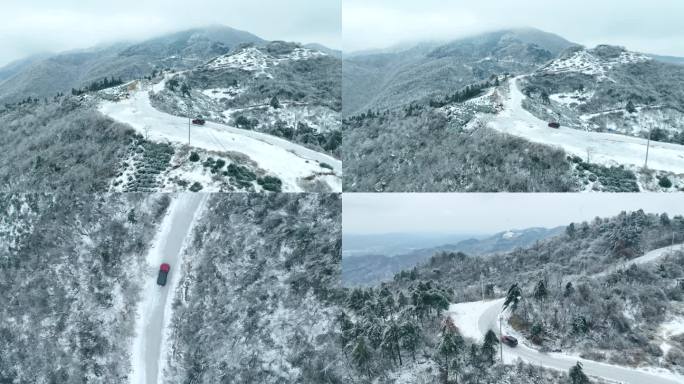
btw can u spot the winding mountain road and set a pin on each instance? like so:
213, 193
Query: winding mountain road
475, 319
154, 307
602, 148
289, 161
489, 320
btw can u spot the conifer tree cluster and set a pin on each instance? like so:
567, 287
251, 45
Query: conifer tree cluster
97, 86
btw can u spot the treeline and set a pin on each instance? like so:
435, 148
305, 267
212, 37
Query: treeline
465, 94
97, 85
585, 248
328, 141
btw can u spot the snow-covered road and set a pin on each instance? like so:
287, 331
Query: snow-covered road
603, 148
648, 257
155, 305
289, 161
474, 319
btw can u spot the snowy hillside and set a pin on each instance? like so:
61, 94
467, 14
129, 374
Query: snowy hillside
606, 293
279, 88
608, 149
250, 289
71, 273
610, 89
583, 61
443, 130
252, 59
295, 167
255, 301
394, 78
374, 266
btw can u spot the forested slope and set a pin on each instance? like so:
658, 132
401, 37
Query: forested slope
256, 303
70, 271
59, 145
578, 292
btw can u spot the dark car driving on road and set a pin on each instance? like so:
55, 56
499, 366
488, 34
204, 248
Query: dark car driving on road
163, 273
509, 340
198, 121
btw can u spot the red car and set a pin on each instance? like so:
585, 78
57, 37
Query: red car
509, 340
554, 125
163, 273
198, 121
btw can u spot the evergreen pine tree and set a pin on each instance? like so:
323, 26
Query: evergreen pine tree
410, 337
276, 104
540, 291
449, 345
513, 297
488, 349
577, 375
630, 107
569, 289
361, 356
390, 341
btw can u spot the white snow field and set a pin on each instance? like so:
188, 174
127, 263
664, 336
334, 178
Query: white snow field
288, 161
602, 148
474, 319
155, 306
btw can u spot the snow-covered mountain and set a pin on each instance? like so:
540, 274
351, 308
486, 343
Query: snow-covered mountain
271, 111
47, 75
446, 133
393, 78
610, 89
279, 88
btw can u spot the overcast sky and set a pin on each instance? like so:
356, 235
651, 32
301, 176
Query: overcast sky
374, 213
34, 26
651, 26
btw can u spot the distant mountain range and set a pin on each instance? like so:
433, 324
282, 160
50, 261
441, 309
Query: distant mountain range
372, 269
392, 244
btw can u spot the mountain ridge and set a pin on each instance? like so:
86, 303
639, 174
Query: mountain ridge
75, 68
373, 268
390, 79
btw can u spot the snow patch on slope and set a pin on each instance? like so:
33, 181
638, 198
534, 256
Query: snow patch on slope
254, 60
585, 62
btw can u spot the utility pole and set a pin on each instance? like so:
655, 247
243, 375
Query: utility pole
500, 341
648, 145
482, 285
189, 104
